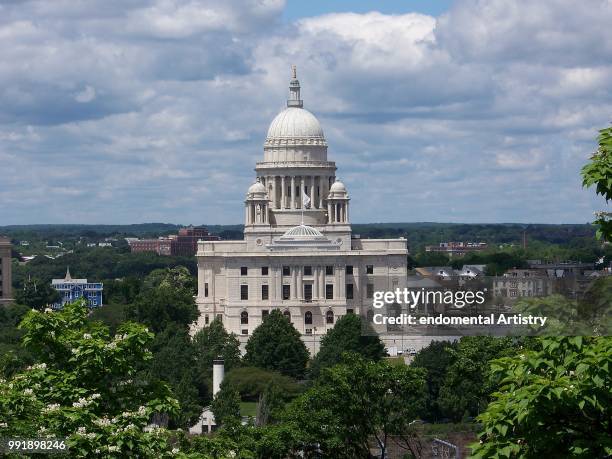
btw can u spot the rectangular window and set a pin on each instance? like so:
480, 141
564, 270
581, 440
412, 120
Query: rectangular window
264, 270
206, 319
206, 289
349, 269
307, 270
286, 271
349, 291
265, 313
244, 292
329, 291
350, 311
308, 292
245, 332
264, 292
370, 269
220, 317
329, 270
244, 271
370, 291
286, 291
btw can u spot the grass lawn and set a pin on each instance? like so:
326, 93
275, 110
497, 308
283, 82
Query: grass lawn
248, 409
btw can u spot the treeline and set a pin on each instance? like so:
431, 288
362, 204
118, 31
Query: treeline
418, 234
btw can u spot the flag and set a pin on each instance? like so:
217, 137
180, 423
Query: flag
306, 201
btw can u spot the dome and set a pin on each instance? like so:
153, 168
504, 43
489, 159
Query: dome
302, 232
295, 123
257, 188
337, 187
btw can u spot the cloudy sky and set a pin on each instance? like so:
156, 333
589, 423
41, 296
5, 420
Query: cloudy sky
126, 111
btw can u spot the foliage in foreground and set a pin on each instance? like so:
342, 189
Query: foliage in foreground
598, 173
552, 401
84, 386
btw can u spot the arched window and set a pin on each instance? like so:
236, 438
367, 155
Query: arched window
287, 314
308, 318
244, 318
329, 317
370, 316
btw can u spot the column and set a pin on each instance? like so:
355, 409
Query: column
322, 282
293, 282
300, 283
321, 192
292, 192
246, 214
313, 200
274, 201
315, 282
347, 212
283, 189
279, 282
302, 180
329, 213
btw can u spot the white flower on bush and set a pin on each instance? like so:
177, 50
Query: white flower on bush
102, 422
87, 336
3, 424
28, 391
81, 403
81, 431
48, 310
175, 451
39, 366
51, 407
113, 448
142, 410
112, 345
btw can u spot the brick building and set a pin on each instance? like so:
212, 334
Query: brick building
184, 243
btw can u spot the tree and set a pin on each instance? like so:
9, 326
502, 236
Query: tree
37, 294
598, 173
354, 402
346, 336
85, 387
177, 277
252, 382
226, 405
163, 305
552, 401
214, 341
276, 345
431, 259
174, 361
435, 359
466, 387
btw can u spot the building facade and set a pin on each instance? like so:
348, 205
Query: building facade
185, 243
6, 278
73, 289
298, 254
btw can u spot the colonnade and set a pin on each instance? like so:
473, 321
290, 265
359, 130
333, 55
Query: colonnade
286, 191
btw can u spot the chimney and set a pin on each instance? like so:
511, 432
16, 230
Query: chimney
218, 374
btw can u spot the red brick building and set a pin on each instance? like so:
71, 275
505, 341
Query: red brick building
185, 243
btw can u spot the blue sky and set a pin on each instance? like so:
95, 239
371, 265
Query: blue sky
296, 9
157, 110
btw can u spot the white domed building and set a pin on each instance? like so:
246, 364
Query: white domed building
298, 253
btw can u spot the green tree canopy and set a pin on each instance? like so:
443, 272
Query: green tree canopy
37, 294
435, 359
356, 402
226, 405
276, 345
214, 341
466, 387
553, 401
346, 336
163, 305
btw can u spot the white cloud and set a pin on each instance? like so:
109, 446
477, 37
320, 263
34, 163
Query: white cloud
158, 110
